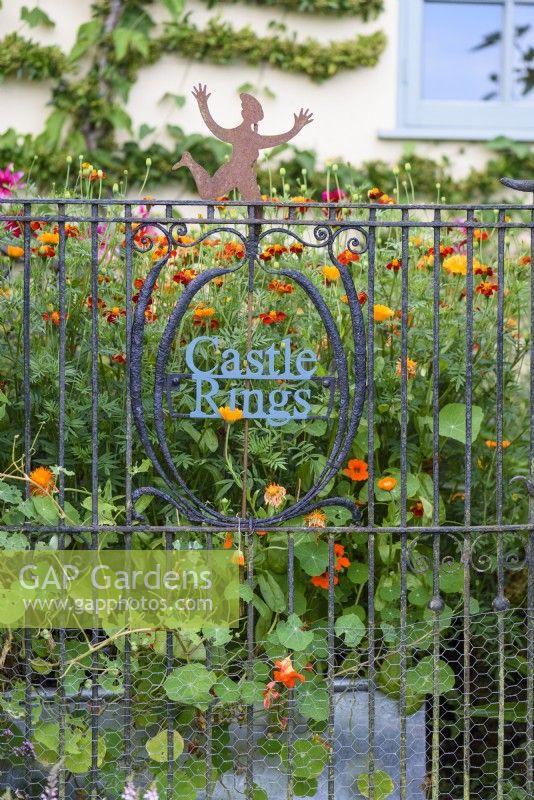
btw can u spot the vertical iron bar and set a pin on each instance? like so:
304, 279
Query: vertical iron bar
330, 668
403, 499
467, 511
61, 481
249, 773
169, 659
127, 698
500, 604
28, 724
291, 693
95, 702
371, 496
436, 604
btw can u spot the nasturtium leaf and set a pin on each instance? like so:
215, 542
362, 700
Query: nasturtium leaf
45, 508
227, 690
351, 628
452, 419
313, 557
358, 573
9, 494
157, 746
312, 700
291, 634
258, 793
420, 678
383, 785
190, 685
309, 758
451, 578
252, 692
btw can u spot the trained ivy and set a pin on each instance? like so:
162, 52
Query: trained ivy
365, 9
25, 59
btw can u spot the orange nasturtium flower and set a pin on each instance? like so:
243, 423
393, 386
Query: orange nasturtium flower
230, 414
491, 443
381, 313
321, 581
228, 541
15, 252
42, 481
387, 484
284, 673
274, 495
356, 470
341, 559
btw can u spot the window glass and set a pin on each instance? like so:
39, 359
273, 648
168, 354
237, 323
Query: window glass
523, 80
462, 50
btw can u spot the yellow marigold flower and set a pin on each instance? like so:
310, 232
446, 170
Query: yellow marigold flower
387, 484
457, 264
411, 368
274, 495
344, 299
15, 252
511, 323
416, 241
330, 274
41, 481
316, 519
381, 313
491, 443
49, 238
230, 414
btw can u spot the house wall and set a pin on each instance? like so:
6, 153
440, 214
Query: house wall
349, 109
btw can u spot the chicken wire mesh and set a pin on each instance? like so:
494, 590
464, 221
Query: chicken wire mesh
385, 642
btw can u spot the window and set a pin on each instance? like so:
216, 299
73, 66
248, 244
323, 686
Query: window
467, 68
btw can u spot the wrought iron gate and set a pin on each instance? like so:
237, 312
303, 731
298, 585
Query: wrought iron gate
406, 608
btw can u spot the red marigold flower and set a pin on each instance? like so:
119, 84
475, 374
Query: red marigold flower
296, 248
89, 302
417, 509
185, 276
362, 298
394, 264
280, 287
272, 317
486, 288
150, 316
118, 358
113, 314
375, 193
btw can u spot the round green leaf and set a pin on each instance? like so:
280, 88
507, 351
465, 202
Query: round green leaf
452, 421
351, 628
156, 747
291, 635
383, 784
190, 685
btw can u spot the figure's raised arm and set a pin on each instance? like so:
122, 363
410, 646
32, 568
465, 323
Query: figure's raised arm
200, 93
304, 117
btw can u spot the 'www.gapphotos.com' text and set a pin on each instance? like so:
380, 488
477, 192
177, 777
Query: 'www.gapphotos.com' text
105, 605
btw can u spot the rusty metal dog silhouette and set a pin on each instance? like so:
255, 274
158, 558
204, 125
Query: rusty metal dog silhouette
240, 171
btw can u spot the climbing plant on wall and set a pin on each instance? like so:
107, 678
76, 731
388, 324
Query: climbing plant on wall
91, 83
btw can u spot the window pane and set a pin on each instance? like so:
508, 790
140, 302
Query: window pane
524, 52
462, 50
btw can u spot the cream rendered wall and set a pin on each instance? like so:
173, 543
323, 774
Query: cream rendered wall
349, 109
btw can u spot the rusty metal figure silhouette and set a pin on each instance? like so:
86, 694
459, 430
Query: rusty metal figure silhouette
239, 172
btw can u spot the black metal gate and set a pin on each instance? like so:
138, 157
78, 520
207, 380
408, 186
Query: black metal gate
405, 609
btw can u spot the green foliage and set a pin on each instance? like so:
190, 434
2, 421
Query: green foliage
220, 43
25, 59
365, 9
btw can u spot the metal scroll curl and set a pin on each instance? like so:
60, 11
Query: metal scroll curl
350, 384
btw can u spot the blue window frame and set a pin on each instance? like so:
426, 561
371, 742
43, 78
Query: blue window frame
466, 69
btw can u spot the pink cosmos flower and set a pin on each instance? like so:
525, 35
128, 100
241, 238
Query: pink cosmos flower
334, 196
9, 180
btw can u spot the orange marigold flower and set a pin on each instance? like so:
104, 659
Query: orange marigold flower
394, 264
47, 251
321, 581
230, 414
49, 238
386, 200
280, 287
381, 313
42, 481
272, 317
89, 302
525, 260
411, 368
185, 276
274, 495
296, 248
491, 443
486, 288
330, 274
375, 193
150, 316
387, 484
346, 257
315, 519
483, 269
15, 252
71, 230
480, 235
284, 673
356, 470
300, 199
113, 314
203, 312
54, 317
228, 541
